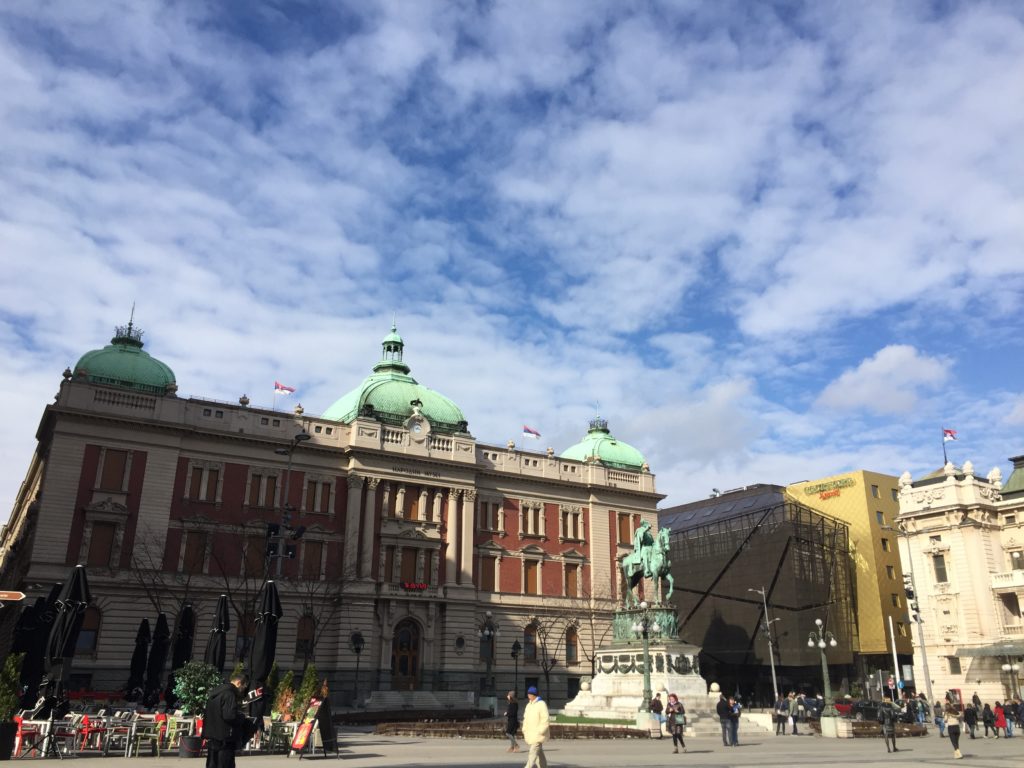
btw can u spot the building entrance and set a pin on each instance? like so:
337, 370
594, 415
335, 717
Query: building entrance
405, 656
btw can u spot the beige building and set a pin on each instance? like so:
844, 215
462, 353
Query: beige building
868, 503
440, 551
964, 544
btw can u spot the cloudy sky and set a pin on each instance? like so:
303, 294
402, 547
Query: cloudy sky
770, 243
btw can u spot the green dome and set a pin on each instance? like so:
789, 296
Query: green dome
123, 363
388, 395
601, 446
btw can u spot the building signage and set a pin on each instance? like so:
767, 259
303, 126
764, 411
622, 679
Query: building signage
414, 586
829, 489
411, 471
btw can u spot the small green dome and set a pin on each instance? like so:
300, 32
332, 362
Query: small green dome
388, 395
123, 363
601, 446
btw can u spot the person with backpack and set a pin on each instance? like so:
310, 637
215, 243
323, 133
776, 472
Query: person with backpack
887, 716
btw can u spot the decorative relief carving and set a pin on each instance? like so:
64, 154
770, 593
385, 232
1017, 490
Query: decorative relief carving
928, 496
354, 481
372, 483
370, 432
470, 494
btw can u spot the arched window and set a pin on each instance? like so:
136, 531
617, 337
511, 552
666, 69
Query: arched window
530, 643
90, 631
572, 643
304, 637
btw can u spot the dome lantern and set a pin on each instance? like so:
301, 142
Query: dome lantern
599, 446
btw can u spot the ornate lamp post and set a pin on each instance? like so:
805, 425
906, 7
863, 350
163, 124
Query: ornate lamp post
286, 508
488, 639
356, 643
646, 624
768, 631
823, 639
516, 648
1011, 667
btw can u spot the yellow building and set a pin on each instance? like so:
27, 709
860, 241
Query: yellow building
869, 502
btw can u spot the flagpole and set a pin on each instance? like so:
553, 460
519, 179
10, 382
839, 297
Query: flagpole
945, 460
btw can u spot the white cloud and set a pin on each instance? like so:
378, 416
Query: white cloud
889, 382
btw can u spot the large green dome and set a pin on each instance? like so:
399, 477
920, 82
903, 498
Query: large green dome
123, 363
599, 445
391, 395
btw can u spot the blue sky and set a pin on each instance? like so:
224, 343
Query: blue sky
773, 242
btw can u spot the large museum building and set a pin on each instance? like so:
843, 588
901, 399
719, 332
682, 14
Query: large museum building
414, 561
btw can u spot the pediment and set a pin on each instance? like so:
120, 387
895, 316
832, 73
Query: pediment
533, 549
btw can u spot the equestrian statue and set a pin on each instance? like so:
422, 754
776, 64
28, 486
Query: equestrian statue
649, 559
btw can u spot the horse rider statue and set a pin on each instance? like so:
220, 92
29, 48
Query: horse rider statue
649, 559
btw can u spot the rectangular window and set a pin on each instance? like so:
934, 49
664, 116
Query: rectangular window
212, 476
101, 544
389, 563
196, 483
874, 491
954, 665
311, 487
408, 564
572, 580
625, 529
939, 563
895, 601
880, 518
1017, 560
255, 555
531, 570
486, 580
901, 628
112, 476
325, 498
890, 571
895, 495
312, 557
270, 491
572, 525
254, 490
195, 552
935, 539
885, 545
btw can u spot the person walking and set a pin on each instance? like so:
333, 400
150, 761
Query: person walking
970, 718
887, 715
224, 723
536, 728
921, 708
940, 717
792, 712
734, 720
951, 717
722, 709
675, 712
988, 719
781, 715
999, 719
512, 721
800, 716
656, 709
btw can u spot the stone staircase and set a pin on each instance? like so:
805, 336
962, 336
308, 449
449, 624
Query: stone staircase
397, 701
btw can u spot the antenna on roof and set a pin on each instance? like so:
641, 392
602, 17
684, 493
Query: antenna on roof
131, 318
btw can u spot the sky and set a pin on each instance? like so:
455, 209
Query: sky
767, 242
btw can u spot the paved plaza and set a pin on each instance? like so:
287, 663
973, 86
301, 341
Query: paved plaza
363, 750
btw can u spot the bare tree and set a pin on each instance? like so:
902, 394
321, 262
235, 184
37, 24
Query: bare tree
550, 635
166, 590
321, 601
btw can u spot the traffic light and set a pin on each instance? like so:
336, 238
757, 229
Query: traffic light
908, 586
273, 537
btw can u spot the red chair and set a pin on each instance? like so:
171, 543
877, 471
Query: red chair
87, 729
31, 730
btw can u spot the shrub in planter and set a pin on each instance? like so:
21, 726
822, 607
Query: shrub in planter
307, 690
10, 702
192, 685
284, 697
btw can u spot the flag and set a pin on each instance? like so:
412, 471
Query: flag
948, 434
281, 389
531, 433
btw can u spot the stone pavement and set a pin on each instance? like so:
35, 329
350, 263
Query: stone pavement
364, 750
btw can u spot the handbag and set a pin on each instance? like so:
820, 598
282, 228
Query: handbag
679, 718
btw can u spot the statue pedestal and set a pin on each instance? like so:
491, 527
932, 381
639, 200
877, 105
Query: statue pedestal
617, 689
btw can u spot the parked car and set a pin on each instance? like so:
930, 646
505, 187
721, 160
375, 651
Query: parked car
866, 709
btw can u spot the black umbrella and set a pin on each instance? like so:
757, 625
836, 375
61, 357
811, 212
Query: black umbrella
216, 645
33, 666
137, 669
157, 661
264, 646
181, 649
70, 608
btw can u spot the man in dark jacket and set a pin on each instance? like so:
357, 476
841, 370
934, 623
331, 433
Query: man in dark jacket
224, 723
723, 711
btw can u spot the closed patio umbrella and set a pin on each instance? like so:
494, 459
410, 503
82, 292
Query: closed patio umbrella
33, 667
137, 668
264, 647
216, 644
181, 648
70, 608
156, 662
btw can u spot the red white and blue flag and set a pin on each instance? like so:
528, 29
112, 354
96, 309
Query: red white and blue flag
531, 433
282, 389
948, 434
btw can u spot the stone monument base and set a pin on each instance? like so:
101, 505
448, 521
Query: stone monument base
617, 689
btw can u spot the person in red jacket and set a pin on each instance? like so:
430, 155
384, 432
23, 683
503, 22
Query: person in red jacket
1000, 723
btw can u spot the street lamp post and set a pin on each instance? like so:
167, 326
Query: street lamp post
1012, 668
902, 532
516, 648
823, 639
286, 508
768, 631
357, 643
645, 624
488, 639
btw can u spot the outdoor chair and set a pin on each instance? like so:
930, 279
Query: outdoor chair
27, 730
145, 731
91, 729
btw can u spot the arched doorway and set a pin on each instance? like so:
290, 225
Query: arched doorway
405, 656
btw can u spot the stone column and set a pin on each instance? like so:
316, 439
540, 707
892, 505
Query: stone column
434, 561
451, 537
468, 502
423, 505
385, 502
436, 513
369, 526
353, 514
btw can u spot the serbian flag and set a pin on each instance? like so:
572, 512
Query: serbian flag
948, 434
282, 389
531, 433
